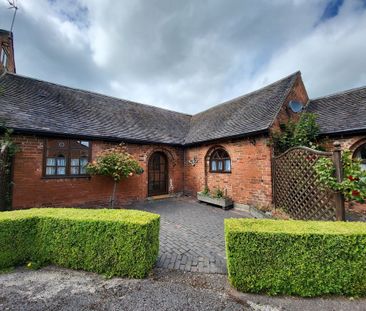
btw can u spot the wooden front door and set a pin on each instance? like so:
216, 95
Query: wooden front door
158, 174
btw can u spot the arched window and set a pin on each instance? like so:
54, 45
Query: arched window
220, 161
360, 153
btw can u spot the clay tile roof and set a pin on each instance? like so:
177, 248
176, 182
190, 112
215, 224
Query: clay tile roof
341, 112
40, 106
248, 114
30, 105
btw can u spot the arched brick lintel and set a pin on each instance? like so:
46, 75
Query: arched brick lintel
171, 156
357, 144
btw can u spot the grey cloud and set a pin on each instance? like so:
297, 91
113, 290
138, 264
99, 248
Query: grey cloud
42, 52
181, 55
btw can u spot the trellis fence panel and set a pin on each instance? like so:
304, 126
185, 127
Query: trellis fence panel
296, 188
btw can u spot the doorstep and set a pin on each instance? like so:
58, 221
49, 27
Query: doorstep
159, 197
164, 196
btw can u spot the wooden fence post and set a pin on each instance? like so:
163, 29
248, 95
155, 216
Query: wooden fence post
339, 198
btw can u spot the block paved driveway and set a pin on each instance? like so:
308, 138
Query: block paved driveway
191, 234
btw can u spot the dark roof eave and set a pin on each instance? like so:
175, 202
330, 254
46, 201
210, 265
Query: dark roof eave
90, 137
133, 141
244, 135
344, 132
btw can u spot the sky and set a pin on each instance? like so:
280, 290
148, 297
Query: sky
189, 55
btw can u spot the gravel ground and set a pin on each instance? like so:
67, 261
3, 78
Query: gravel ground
53, 288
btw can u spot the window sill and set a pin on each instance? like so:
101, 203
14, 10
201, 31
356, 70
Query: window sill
67, 177
219, 172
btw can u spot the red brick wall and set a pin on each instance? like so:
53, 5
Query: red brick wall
31, 190
299, 93
250, 179
249, 182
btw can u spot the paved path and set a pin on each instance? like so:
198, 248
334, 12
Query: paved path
191, 234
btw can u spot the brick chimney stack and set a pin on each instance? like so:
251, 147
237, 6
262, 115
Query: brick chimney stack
7, 61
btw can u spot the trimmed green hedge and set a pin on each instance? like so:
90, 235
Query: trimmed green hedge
306, 258
112, 242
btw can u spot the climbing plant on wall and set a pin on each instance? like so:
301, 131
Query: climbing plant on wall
293, 134
8, 149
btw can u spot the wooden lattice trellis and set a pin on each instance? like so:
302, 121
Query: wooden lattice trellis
296, 188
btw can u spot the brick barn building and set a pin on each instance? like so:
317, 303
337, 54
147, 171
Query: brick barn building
59, 129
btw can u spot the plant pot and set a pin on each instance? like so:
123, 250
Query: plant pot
225, 203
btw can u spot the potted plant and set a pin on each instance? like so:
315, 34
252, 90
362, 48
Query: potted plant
217, 197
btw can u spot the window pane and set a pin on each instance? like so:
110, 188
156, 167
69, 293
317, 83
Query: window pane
50, 170
83, 161
213, 166
4, 57
61, 171
227, 166
79, 144
75, 170
61, 161
215, 155
223, 154
363, 166
51, 162
219, 166
363, 153
74, 162
83, 164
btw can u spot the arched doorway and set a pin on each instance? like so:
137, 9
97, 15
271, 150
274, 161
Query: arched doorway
158, 174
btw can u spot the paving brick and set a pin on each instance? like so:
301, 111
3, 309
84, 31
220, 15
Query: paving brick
191, 234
